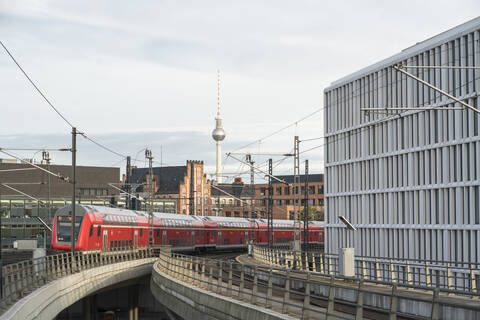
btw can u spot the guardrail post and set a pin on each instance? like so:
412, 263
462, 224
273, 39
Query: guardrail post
329, 264
210, 279
268, 297
428, 278
472, 279
255, 286
377, 270
393, 303
286, 294
359, 308
409, 273
331, 295
219, 279
306, 299
314, 262
449, 277
321, 263
364, 269
229, 287
435, 305
242, 284
392, 271
191, 274
204, 280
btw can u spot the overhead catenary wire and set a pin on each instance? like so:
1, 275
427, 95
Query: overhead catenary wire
53, 107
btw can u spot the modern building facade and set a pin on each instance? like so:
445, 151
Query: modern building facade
27, 192
409, 179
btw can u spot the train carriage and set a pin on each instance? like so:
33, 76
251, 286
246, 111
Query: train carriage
104, 228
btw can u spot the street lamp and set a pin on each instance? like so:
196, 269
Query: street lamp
347, 255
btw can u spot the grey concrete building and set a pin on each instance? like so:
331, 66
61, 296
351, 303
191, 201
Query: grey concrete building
408, 180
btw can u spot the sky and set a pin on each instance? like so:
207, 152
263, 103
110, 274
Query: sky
135, 75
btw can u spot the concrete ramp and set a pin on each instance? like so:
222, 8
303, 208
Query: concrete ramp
49, 300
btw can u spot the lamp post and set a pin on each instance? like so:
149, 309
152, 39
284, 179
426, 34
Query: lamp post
347, 254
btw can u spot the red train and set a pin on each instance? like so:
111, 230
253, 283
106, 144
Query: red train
103, 228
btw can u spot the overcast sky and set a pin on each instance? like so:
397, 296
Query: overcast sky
143, 74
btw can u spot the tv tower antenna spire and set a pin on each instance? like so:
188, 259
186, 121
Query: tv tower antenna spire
218, 133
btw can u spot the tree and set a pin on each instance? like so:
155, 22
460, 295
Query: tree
314, 214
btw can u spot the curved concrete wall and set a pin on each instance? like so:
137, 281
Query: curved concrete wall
190, 302
48, 301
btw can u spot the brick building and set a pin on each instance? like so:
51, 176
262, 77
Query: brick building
286, 199
185, 187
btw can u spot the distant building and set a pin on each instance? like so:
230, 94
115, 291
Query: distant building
286, 199
18, 210
408, 180
184, 189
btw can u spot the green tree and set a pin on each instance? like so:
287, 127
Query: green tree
314, 214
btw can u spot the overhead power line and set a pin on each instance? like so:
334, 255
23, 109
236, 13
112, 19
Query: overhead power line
54, 108
281, 129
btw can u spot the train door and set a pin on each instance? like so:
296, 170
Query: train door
105, 240
246, 236
164, 237
219, 236
135, 239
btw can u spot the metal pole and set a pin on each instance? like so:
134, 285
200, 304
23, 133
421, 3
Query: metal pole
74, 178
305, 214
296, 184
248, 158
399, 68
46, 157
270, 204
148, 155
127, 182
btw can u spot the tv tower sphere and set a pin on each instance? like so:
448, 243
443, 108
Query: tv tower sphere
218, 133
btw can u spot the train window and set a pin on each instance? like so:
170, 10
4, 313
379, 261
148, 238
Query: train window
99, 232
111, 243
141, 233
158, 233
115, 244
91, 231
123, 243
208, 233
130, 242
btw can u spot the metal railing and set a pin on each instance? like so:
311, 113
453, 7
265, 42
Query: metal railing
453, 276
19, 279
306, 294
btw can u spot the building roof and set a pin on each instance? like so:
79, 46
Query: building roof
167, 179
238, 190
311, 178
417, 48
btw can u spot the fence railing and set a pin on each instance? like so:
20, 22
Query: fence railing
304, 294
19, 279
452, 276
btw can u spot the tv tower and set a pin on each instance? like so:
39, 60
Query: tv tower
218, 133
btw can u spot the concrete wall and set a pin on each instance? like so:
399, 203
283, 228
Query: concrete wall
193, 303
48, 301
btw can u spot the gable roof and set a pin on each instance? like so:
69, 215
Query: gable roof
167, 179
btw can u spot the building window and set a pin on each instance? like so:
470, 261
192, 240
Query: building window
245, 214
279, 202
291, 215
320, 189
311, 202
286, 190
320, 202
287, 201
311, 189
237, 214
278, 190
295, 190
228, 214
262, 191
303, 190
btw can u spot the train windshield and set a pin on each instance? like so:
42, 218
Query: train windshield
64, 228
